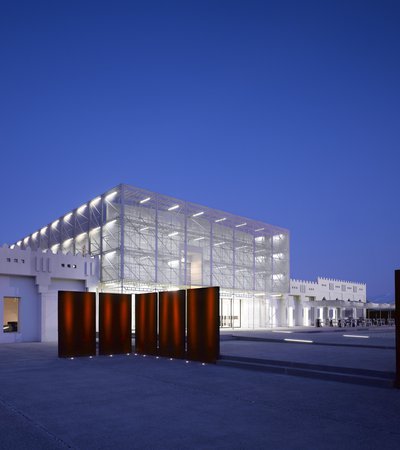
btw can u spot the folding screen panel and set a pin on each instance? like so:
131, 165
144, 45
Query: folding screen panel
172, 324
397, 320
146, 323
203, 324
76, 324
115, 323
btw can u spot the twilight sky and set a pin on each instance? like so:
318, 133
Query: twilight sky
282, 111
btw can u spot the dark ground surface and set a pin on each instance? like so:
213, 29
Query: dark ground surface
147, 403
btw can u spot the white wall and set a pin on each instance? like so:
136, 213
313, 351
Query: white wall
35, 278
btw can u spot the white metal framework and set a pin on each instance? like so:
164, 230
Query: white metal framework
148, 241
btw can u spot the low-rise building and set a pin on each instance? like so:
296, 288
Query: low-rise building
325, 299
29, 285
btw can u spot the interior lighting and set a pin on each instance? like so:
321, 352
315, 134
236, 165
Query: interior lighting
173, 207
145, 200
259, 229
220, 220
54, 224
174, 263
199, 238
67, 217
259, 295
43, 230
34, 235
110, 196
26, 239
355, 336
173, 288
81, 209
173, 234
12, 246
219, 243
303, 341
241, 225
277, 276
144, 229
198, 214
19, 243
282, 331
220, 267
95, 201
242, 246
277, 255
276, 295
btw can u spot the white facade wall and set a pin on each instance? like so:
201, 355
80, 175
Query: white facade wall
325, 299
35, 278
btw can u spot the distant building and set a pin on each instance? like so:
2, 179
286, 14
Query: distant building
325, 299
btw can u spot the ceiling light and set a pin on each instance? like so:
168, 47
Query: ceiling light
81, 209
219, 243
95, 201
173, 234
110, 196
198, 214
34, 235
145, 200
260, 229
241, 224
144, 229
199, 238
173, 207
220, 220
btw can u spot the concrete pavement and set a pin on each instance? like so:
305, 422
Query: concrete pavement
136, 402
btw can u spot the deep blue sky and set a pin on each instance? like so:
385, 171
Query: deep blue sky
283, 111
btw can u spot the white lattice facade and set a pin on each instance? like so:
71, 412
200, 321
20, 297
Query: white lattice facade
148, 241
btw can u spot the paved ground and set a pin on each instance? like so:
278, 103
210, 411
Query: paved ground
337, 347
147, 403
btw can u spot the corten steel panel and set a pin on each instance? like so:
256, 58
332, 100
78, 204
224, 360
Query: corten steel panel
76, 324
115, 323
146, 323
397, 320
172, 324
203, 324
